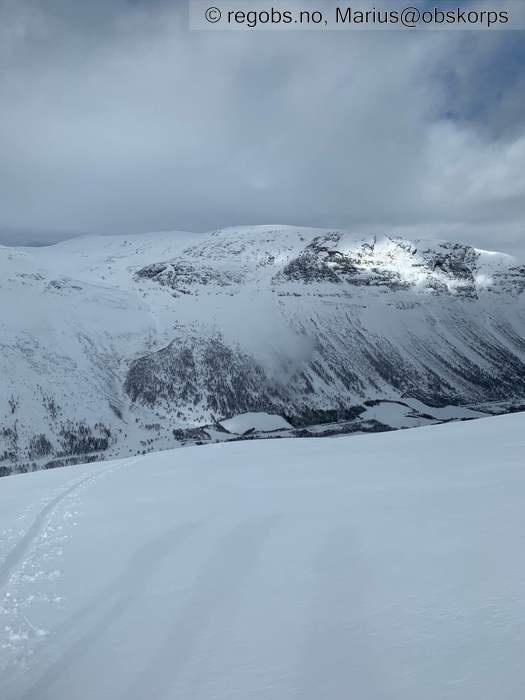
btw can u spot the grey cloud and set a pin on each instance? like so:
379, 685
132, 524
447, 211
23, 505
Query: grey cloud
116, 118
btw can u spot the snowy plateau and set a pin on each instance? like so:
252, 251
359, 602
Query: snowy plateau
375, 567
118, 346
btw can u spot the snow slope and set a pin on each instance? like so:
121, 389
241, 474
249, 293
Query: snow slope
110, 346
376, 567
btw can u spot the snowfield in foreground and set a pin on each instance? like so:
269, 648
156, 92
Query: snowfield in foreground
381, 566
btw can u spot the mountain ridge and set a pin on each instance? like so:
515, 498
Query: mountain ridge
114, 345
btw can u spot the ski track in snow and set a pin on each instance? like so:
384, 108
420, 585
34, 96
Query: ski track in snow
224, 567
34, 559
384, 567
105, 609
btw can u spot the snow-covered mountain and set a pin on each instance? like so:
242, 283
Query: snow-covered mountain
117, 345
381, 567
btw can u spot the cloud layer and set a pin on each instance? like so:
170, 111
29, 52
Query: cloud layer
116, 118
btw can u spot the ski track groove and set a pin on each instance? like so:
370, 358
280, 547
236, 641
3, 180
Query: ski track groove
16, 555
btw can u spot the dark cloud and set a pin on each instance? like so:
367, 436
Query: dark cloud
116, 118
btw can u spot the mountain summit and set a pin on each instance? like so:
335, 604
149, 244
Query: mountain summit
117, 345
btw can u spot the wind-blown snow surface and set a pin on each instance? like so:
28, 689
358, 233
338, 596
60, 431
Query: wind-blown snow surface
109, 345
375, 567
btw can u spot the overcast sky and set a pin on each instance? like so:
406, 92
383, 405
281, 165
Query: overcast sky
115, 118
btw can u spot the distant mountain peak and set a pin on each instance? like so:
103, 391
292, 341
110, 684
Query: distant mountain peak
125, 341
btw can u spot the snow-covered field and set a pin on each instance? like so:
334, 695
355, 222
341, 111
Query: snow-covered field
373, 567
263, 422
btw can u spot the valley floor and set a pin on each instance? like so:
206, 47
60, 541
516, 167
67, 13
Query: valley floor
372, 567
